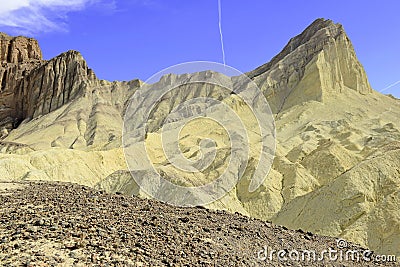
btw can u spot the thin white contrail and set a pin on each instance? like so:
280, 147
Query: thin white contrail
220, 31
390, 86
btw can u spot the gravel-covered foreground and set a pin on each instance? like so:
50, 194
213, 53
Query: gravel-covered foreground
61, 224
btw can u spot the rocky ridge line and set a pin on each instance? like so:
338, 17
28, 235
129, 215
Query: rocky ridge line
31, 86
317, 63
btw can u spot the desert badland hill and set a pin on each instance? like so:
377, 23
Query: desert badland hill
336, 169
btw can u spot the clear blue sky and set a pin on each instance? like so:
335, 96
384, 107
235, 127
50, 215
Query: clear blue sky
127, 39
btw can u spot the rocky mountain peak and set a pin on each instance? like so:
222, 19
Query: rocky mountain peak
53, 84
318, 63
31, 86
299, 40
18, 49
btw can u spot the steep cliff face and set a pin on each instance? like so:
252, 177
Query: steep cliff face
319, 62
52, 85
18, 49
18, 56
31, 87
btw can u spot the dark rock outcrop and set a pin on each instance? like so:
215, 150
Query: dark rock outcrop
18, 49
18, 56
53, 84
31, 86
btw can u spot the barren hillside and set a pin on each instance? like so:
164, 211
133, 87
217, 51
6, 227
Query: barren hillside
337, 159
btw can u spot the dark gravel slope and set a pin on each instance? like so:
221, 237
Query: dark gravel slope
61, 224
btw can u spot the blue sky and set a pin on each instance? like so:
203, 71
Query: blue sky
127, 39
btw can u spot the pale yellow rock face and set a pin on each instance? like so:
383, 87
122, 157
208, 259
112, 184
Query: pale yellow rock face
337, 160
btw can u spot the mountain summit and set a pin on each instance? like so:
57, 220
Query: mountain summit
335, 170
18, 49
317, 63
